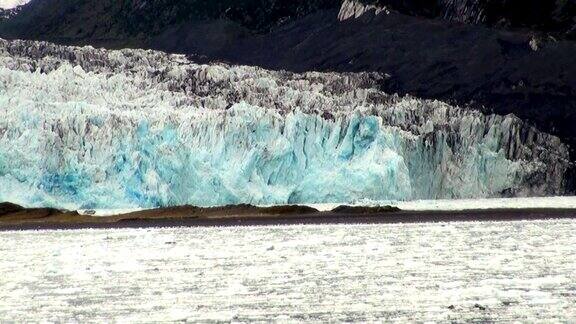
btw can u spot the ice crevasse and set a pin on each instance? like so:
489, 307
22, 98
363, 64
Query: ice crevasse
90, 128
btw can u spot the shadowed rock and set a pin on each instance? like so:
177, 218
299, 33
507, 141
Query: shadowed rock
365, 210
9, 208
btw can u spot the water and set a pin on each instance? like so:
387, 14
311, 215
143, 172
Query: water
563, 202
456, 271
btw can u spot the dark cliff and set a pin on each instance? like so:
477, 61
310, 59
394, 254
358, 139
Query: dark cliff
77, 20
553, 16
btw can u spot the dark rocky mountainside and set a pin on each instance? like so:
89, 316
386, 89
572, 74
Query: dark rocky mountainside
550, 16
118, 23
109, 19
502, 56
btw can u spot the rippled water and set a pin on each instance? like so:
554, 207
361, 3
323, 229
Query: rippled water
458, 271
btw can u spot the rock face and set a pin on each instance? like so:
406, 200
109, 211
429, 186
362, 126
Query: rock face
6, 14
9, 208
70, 19
89, 128
132, 22
554, 16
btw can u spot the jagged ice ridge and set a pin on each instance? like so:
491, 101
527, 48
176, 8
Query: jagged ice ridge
91, 128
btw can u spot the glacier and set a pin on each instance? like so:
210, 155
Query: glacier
84, 128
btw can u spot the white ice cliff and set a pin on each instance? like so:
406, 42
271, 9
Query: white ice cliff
90, 128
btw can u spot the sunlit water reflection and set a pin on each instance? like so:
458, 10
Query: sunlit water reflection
455, 271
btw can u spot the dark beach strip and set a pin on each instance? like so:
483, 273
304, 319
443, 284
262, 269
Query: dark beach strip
14, 217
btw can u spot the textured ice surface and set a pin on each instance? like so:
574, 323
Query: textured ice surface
565, 202
89, 128
454, 272
493, 203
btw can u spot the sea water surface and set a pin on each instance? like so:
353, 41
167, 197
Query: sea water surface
484, 271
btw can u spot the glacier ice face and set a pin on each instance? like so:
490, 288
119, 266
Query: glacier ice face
90, 128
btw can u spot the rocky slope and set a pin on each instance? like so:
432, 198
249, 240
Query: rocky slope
555, 17
113, 19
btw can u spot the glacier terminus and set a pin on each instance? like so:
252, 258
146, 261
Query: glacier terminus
91, 128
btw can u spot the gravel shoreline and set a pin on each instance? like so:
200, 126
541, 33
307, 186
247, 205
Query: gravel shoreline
14, 217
